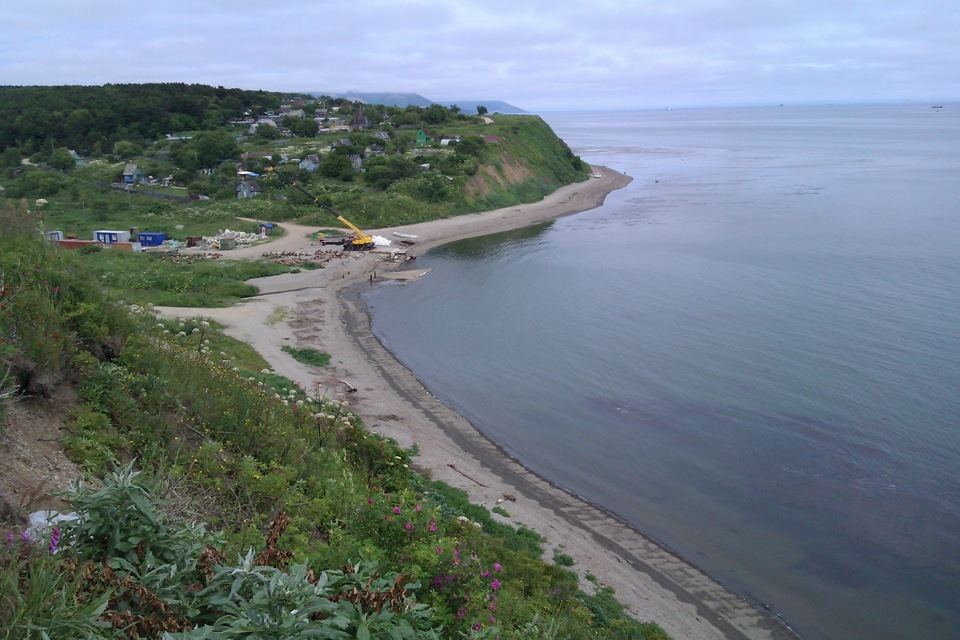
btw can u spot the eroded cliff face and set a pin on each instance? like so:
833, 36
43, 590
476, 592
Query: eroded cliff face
32, 463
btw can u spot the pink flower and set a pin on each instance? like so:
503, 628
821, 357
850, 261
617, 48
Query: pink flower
409, 526
419, 507
495, 584
439, 550
396, 510
497, 566
54, 539
476, 627
369, 500
433, 525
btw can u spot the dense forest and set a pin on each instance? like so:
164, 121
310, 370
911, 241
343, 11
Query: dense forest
90, 119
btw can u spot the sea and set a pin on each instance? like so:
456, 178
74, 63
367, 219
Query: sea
751, 353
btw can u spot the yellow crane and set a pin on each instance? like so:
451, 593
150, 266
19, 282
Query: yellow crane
359, 241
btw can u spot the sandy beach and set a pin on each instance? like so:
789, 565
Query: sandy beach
321, 309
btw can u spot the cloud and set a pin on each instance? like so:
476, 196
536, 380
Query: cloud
536, 54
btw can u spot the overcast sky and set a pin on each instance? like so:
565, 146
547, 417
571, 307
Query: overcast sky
540, 55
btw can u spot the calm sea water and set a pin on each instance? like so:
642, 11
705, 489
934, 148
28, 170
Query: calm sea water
752, 353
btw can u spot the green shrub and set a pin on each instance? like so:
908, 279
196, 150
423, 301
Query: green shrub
308, 356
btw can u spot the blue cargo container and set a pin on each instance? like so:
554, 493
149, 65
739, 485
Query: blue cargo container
149, 239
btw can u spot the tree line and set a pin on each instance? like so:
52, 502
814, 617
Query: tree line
92, 119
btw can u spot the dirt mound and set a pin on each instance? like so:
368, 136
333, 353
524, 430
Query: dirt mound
32, 464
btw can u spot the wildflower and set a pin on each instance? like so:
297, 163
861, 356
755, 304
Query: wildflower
497, 566
495, 584
54, 539
10, 539
25, 535
409, 526
369, 500
419, 508
433, 526
476, 627
396, 510
439, 550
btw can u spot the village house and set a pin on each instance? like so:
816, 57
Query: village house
422, 138
132, 175
310, 163
248, 189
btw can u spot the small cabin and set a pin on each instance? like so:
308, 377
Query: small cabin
110, 237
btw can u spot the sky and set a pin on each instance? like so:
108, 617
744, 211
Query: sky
539, 55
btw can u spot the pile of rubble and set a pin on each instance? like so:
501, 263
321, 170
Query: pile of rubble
229, 239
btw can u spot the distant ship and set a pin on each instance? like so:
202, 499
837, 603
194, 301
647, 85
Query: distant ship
937, 106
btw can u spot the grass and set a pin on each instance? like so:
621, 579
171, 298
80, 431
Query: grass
178, 281
308, 356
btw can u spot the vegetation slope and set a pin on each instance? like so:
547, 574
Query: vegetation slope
221, 500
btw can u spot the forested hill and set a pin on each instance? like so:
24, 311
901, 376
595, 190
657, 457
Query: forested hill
90, 119
379, 165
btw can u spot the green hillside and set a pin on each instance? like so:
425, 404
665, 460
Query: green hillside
221, 500
224, 502
378, 165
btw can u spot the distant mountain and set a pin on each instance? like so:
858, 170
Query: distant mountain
493, 106
407, 99
380, 97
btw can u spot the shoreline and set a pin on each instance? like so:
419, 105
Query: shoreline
317, 309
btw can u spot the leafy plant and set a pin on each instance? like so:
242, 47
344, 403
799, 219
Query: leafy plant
308, 356
264, 603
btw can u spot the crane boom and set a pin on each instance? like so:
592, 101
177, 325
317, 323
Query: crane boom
359, 242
